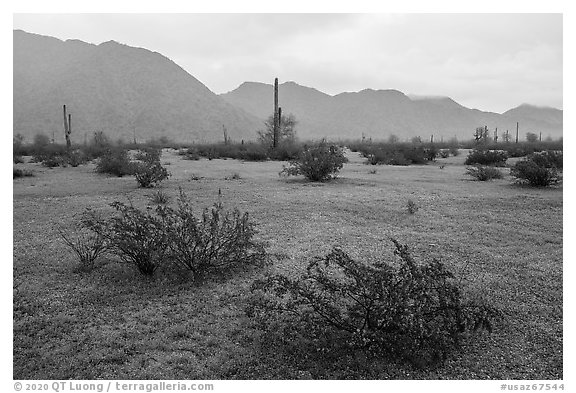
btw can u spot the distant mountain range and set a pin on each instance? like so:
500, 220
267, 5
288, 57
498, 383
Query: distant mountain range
117, 89
126, 92
381, 113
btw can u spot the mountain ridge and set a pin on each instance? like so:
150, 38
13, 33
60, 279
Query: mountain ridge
129, 91
124, 91
380, 113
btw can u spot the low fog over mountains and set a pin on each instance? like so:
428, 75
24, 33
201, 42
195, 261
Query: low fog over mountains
123, 91
380, 113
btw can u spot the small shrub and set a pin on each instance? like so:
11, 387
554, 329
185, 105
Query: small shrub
444, 153
286, 151
87, 247
484, 173
487, 157
76, 158
50, 155
318, 163
234, 176
191, 155
149, 171
195, 177
54, 161
16, 159
529, 172
159, 198
372, 171
253, 152
115, 162
431, 153
412, 207
397, 310
454, 151
22, 173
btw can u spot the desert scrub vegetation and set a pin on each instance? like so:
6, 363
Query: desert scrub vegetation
159, 198
536, 170
398, 154
412, 207
398, 310
115, 162
317, 163
487, 157
216, 242
484, 173
86, 245
22, 173
148, 170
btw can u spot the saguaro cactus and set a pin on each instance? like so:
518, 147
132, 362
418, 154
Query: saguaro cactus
67, 127
276, 118
225, 132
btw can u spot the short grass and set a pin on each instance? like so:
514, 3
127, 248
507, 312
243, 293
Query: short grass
500, 239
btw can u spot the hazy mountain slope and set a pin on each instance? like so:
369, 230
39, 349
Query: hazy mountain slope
117, 89
380, 113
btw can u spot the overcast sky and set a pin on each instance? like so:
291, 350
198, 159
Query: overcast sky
487, 61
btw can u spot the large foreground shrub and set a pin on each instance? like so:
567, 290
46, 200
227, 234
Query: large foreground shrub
137, 237
215, 242
401, 309
317, 163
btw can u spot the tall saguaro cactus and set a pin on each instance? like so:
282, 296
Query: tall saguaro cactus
67, 127
276, 117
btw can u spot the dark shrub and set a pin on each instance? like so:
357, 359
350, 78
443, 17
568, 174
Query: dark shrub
318, 163
484, 173
412, 207
253, 152
216, 242
382, 156
76, 157
431, 153
454, 151
529, 172
16, 159
548, 159
399, 310
138, 238
416, 155
115, 162
22, 173
397, 154
149, 171
487, 157
50, 155
159, 198
190, 154
286, 151
87, 247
